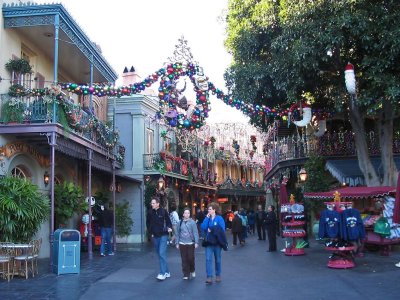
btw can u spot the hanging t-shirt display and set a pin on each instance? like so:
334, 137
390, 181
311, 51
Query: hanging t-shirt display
352, 225
329, 224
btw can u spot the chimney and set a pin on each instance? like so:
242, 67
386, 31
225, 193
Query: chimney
130, 77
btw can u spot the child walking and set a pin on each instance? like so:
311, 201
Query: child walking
187, 239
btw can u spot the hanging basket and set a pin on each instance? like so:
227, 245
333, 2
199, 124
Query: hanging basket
20, 66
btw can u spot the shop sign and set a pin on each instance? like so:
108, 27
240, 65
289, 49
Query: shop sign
14, 148
222, 200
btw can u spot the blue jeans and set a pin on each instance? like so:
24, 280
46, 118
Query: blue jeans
216, 251
160, 245
106, 233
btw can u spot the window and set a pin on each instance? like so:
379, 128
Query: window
28, 55
58, 180
167, 144
20, 172
149, 141
39, 81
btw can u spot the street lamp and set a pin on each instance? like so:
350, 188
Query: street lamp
303, 174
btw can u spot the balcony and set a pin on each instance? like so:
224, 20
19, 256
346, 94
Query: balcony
26, 111
331, 144
166, 163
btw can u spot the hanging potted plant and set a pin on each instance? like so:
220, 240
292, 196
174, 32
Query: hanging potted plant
19, 66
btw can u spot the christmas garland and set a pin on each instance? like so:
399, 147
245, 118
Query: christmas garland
168, 101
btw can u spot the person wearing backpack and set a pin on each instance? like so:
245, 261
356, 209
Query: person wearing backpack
187, 239
243, 217
174, 217
237, 228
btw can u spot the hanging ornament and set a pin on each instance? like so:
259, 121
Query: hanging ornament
305, 112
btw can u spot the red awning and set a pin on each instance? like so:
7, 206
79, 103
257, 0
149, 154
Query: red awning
354, 192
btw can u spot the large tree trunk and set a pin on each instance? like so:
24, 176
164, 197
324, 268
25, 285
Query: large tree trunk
364, 161
385, 130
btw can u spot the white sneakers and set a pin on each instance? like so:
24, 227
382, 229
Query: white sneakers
398, 265
161, 277
168, 275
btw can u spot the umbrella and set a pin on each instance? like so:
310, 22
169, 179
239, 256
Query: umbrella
396, 210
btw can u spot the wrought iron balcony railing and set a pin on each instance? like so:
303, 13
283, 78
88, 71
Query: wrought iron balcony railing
163, 162
330, 144
39, 109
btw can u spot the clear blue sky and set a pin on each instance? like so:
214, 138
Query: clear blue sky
144, 33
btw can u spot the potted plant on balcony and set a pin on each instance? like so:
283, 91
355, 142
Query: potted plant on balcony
13, 111
20, 220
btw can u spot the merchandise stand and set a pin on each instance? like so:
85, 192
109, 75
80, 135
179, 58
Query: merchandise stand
293, 220
342, 251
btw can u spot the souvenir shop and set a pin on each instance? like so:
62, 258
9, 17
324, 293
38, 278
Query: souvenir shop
355, 219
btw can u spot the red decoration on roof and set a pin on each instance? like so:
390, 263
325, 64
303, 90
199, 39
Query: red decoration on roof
355, 192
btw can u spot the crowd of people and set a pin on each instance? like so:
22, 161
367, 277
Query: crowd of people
209, 227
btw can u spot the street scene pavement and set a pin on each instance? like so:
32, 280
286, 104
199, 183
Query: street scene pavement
248, 272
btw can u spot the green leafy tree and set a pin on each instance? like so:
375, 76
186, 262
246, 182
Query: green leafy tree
317, 180
290, 50
22, 209
123, 219
68, 199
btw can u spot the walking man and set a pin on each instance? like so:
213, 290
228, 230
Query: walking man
260, 223
106, 220
270, 223
159, 226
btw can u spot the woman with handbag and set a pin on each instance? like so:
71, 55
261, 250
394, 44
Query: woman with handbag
187, 239
214, 228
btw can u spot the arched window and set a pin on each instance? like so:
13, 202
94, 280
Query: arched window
58, 180
21, 172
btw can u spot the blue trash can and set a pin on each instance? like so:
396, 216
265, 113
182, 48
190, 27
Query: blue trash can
66, 251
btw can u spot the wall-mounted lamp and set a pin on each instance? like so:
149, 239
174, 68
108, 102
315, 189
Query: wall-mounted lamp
161, 183
46, 178
303, 174
118, 187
